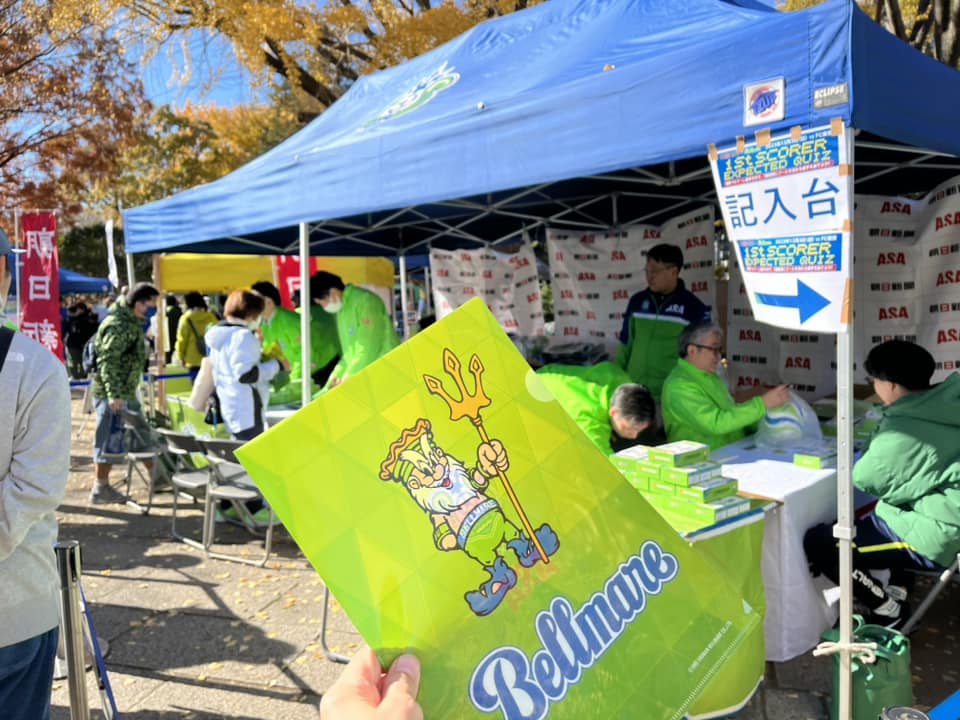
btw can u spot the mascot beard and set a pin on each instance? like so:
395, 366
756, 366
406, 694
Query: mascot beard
448, 493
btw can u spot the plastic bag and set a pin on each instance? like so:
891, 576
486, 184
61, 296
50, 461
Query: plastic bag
116, 444
202, 386
791, 426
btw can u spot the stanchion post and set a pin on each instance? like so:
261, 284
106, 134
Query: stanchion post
68, 563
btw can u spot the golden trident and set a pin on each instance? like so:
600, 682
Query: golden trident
470, 406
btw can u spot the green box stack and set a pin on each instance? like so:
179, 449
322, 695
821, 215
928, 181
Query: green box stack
635, 467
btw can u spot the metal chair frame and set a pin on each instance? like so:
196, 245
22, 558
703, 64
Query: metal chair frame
945, 577
137, 461
188, 480
229, 481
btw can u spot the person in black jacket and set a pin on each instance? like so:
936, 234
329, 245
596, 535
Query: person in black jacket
80, 326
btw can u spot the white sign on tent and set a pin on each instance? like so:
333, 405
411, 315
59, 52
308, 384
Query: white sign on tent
786, 206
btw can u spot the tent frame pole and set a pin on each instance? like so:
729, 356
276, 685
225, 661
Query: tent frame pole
402, 265
305, 306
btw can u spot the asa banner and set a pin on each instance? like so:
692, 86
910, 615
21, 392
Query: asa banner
40, 281
593, 275
507, 283
787, 203
462, 514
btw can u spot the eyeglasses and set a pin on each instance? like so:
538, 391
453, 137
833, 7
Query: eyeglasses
715, 350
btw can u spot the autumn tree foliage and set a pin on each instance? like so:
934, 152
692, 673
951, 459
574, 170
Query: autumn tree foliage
69, 103
931, 26
319, 49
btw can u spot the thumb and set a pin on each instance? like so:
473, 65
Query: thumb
400, 687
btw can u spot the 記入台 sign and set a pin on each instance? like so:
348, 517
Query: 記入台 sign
786, 204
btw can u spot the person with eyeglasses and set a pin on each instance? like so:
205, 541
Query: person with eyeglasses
912, 465
654, 319
697, 405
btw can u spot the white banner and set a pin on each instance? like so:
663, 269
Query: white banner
594, 275
508, 284
786, 206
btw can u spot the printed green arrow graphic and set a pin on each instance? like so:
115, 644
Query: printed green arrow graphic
807, 300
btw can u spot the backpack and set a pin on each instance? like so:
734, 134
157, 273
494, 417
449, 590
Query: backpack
88, 360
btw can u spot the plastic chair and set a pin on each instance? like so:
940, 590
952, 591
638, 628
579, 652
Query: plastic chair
927, 601
188, 478
229, 481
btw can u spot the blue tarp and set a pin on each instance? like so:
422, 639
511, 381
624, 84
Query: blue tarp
74, 282
538, 113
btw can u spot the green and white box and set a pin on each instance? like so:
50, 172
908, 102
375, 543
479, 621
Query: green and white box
711, 512
681, 452
817, 459
691, 474
635, 466
710, 491
661, 487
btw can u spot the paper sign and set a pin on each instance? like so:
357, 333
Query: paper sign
786, 205
453, 508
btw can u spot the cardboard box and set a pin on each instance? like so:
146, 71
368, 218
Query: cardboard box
690, 474
640, 484
659, 487
682, 452
710, 491
711, 512
816, 459
636, 470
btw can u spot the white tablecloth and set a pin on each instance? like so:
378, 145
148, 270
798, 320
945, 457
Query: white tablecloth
796, 610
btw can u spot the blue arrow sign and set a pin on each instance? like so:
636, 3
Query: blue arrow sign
807, 300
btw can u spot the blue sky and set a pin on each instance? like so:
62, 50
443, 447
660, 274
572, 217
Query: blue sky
216, 76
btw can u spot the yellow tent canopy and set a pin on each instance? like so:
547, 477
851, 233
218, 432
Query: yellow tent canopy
184, 272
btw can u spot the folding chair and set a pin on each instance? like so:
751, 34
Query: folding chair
921, 610
229, 481
144, 462
186, 477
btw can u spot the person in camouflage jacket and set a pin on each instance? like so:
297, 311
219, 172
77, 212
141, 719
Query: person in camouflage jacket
121, 359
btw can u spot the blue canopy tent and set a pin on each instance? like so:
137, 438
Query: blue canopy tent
582, 114
74, 282
586, 113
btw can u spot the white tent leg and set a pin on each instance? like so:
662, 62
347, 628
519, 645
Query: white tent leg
305, 305
131, 280
844, 530
403, 296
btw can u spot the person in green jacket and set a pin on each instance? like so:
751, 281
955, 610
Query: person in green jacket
282, 326
365, 329
121, 362
610, 410
912, 466
655, 317
696, 402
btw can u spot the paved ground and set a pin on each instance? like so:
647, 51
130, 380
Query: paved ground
197, 638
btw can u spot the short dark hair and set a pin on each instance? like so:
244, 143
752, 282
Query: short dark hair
322, 282
901, 362
194, 301
695, 332
141, 292
243, 304
667, 255
172, 300
634, 403
268, 290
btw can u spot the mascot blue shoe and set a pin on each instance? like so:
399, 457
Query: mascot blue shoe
485, 600
527, 552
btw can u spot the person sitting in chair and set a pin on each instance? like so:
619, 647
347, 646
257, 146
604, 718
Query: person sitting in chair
912, 465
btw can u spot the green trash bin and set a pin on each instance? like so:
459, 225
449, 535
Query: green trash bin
886, 683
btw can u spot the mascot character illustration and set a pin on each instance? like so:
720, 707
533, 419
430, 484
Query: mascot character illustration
463, 517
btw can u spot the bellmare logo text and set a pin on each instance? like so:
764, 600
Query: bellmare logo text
522, 688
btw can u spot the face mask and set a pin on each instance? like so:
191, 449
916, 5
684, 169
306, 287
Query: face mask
150, 311
254, 324
333, 306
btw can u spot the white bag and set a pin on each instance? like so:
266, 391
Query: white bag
202, 387
791, 426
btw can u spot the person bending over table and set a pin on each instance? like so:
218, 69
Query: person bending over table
696, 402
912, 465
612, 411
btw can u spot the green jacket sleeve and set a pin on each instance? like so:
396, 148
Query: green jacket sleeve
691, 405
112, 365
897, 469
324, 343
371, 332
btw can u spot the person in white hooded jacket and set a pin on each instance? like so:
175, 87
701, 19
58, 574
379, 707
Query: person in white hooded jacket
241, 380
34, 462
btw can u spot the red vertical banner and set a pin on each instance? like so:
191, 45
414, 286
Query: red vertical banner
40, 281
288, 277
